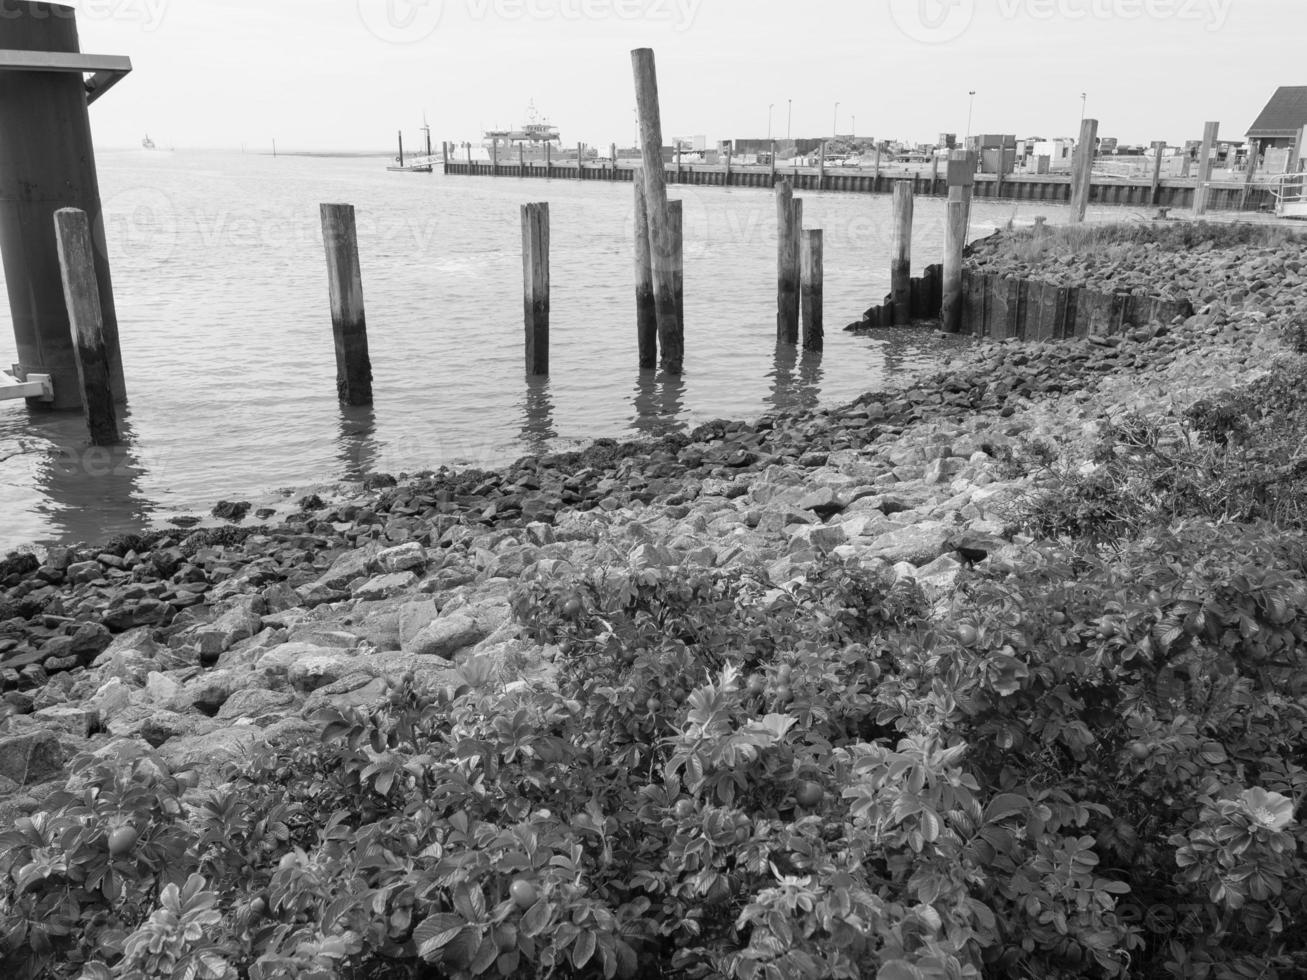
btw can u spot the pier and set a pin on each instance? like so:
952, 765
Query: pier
1142, 192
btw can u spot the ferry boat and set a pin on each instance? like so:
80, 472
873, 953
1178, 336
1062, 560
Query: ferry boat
528, 141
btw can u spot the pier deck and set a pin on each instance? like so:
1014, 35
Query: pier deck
1228, 195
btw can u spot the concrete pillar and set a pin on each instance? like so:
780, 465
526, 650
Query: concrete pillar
47, 163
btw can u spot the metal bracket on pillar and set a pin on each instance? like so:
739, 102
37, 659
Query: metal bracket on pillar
106, 70
37, 386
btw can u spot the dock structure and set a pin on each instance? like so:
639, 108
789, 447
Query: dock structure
1140, 192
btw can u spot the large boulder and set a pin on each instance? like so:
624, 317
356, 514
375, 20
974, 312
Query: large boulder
31, 758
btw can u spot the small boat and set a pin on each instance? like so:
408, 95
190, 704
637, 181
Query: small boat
147, 143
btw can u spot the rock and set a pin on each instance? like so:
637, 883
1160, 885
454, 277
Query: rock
240, 622
231, 511
447, 635
310, 672
275, 663
918, 544
31, 758
210, 750
165, 692
258, 705
413, 618
386, 586
74, 720
404, 558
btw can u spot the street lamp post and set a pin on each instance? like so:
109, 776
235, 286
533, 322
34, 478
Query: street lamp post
769, 110
836, 131
970, 106
853, 127
1083, 97
789, 116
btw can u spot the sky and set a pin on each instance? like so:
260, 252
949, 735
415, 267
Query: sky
322, 75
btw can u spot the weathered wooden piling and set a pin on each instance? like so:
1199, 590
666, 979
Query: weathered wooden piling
549, 160
401, 147
580, 164
901, 252
1082, 175
521, 159
876, 173
671, 340
444, 153
1202, 192
961, 178
646, 315
1254, 149
773, 164
348, 322
813, 276
1158, 147
494, 156
821, 166
676, 229
535, 285
86, 320
789, 223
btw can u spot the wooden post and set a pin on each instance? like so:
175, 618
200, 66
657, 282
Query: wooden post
678, 161
821, 166
469, 157
348, 323
789, 223
773, 163
646, 316
1254, 146
813, 275
727, 181
875, 179
444, 153
901, 252
1202, 192
1081, 179
549, 160
521, 159
579, 166
671, 339
934, 174
676, 226
401, 147
1157, 172
612, 154
535, 286
494, 156
961, 178
86, 319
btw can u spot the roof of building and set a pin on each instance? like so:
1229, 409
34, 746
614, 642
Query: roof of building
1284, 115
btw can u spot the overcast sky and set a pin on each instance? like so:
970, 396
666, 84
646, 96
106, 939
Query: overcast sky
346, 74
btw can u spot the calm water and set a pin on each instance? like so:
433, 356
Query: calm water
222, 303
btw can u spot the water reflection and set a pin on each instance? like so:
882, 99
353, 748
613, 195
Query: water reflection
357, 450
89, 493
795, 379
537, 407
659, 402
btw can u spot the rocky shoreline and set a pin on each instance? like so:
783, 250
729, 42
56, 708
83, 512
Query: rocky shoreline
195, 646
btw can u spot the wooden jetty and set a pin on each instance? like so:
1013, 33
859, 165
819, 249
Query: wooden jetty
1140, 192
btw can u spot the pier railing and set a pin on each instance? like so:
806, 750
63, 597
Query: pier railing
1224, 195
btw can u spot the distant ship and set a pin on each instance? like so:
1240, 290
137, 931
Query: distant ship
147, 143
529, 140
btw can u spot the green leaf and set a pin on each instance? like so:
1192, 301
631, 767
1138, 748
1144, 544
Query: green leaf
537, 918
436, 932
583, 950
